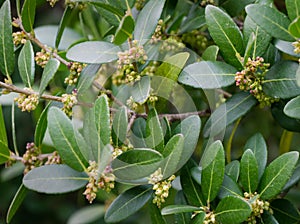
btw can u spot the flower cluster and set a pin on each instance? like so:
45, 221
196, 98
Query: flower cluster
69, 100
31, 157
75, 70
139, 4
258, 207
127, 70
42, 57
52, 2
296, 45
53, 158
19, 37
196, 40
251, 79
158, 33
150, 69
206, 2
172, 44
161, 187
78, 5
98, 181
27, 102
210, 217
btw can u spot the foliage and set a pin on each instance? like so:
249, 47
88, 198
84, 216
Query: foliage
151, 106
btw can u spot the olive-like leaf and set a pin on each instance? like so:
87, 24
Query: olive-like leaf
229, 188
285, 47
119, 126
41, 127
48, 74
3, 135
293, 9
277, 174
4, 153
87, 214
285, 211
26, 64
54, 179
156, 216
232, 169
124, 30
128, 203
292, 108
62, 25
28, 14
210, 53
141, 90
175, 209
294, 28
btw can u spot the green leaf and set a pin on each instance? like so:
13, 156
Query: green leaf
232, 169
285, 211
280, 81
267, 218
175, 209
87, 214
249, 47
7, 57
235, 7
294, 27
47, 35
225, 34
3, 136
294, 179
229, 188
62, 25
232, 210
277, 174
199, 218
262, 38
63, 137
28, 14
16, 202
54, 179
196, 22
136, 163
141, 90
48, 74
155, 214
109, 7
119, 126
292, 108
41, 127
26, 64
208, 75
128, 203
210, 53
293, 9
285, 47
172, 154
124, 30
234, 108
259, 148
138, 134
191, 189
271, 20
190, 128
154, 134
4, 153
147, 20
249, 171
93, 52
213, 168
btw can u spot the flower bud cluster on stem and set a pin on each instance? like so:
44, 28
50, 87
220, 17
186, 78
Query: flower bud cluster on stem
27, 102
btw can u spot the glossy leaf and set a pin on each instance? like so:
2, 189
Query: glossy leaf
128, 203
267, 218
234, 108
285, 211
172, 153
48, 74
277, 174
190, 129
292, 108
175, 209
154, 134
136, 163
156, 216
280, 80
213, 167
235, 7
294, 179
191, 189
54, 179
124, 30
271, 20
141, 90
259, 148
232, 210
28, 14
147, 20
26, 64
229, 188
63, 137
87, 214
225, 34
41, 127
16, 202
194, 23
93, 52
249, 171
3, 135
232, 169
4, 153
294, 28
293, 8
62, 25
262, 38
7, 57
210, 53
137, 137
208, 75
285, 47
47, 35
119, 126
